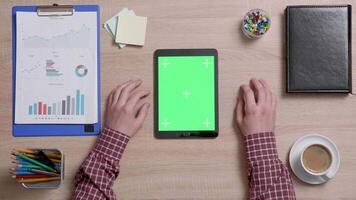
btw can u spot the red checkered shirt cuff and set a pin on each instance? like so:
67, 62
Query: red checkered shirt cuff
111, 143
261, 146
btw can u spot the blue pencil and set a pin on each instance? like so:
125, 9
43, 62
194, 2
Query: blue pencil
24, 163
29, 166
20, 161
22, 173
21, 170
27, 169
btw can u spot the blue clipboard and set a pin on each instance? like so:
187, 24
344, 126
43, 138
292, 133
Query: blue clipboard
24, 130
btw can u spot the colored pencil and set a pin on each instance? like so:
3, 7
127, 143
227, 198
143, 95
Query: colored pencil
26, 151
20, 169
43, 172
53, 155
29, 155
35, 162
30, 166
24, 162
31, 151
55, 160
20, 162
34, 156
58, 168
19, 159
32, 171
22, 173
35, 151
33, 180
31, 176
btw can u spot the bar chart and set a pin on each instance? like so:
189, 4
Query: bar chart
70, 105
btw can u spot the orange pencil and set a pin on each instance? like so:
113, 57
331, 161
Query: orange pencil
34, 180
31, 151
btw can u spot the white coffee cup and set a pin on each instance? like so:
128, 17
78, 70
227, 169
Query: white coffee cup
318, 157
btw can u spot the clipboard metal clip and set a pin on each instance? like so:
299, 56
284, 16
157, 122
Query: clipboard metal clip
55, 10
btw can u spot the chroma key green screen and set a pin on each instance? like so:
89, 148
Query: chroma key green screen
186, 100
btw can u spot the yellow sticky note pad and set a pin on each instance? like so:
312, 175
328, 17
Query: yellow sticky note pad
131, 30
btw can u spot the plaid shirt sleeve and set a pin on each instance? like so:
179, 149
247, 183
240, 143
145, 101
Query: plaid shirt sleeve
98, 172
268, 177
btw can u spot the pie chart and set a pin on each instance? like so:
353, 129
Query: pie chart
81, 71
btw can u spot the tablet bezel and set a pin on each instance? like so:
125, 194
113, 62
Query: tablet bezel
185, 134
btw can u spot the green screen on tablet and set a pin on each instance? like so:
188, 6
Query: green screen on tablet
186, 93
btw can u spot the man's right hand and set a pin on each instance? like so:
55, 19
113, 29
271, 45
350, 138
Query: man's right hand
256, 108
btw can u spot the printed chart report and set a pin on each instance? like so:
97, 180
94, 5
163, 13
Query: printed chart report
56, 69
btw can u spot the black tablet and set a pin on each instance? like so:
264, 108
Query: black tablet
186, 93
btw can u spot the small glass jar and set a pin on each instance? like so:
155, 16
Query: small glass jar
256, 23
49, 184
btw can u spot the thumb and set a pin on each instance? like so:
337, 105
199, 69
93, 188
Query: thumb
239, 110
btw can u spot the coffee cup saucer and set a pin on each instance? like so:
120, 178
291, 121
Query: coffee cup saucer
297, 150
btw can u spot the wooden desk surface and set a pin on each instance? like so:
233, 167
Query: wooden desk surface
192, 169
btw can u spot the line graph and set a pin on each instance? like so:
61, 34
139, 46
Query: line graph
71, 39
31, 69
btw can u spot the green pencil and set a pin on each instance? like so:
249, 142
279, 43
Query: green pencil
35, 162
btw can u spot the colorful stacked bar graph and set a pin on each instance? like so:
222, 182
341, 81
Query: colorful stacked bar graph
67, 106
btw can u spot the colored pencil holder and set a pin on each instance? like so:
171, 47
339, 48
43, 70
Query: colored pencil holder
53, 184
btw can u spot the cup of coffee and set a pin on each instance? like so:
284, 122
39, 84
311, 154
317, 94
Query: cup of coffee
316, 159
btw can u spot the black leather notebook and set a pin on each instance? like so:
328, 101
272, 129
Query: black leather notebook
319, 48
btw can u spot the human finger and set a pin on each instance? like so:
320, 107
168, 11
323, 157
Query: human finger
249, 97
131, 103
269, 93
239, 109
142, 113
126, 92
259, 91
117, 91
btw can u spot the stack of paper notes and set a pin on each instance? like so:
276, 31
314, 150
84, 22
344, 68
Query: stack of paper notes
126, 28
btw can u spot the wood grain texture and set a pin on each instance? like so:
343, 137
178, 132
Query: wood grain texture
192, 169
